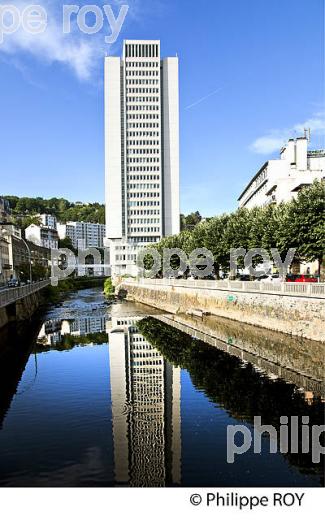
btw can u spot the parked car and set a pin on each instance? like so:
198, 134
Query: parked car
243, 277
13, 282
306, 278
269, 278
292, 277
265, 278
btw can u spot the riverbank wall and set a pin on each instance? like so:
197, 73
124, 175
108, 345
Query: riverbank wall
20, 310
302, 316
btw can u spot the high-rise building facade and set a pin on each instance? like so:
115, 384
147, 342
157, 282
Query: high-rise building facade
141, 150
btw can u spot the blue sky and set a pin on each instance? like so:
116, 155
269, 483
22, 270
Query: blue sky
251, 75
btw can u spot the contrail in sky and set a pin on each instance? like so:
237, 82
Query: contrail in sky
203, 99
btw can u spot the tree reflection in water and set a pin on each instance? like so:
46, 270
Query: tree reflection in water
237, 387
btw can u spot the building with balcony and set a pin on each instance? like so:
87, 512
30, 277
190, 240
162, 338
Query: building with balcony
4, 210
279, 180
48, 220
16, 253
5, 266
42, 236
5, 261
83, 234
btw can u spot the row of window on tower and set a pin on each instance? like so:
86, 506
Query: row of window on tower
134, 115
140, 203
140, 99
143, 177
143, 195
141, 186
144, 212
142, 239
143, 151
144, 169
142, 108
143, 125
142, 82
143, 229
143, 134
142, 50
148, 142
142, 64
139, 354
143, 90
144, 160
146, 362
140, 72
143, 221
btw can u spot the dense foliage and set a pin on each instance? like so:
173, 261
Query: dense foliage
54, 294
25, 210
108, 287
190, 221
298, 224
39, 272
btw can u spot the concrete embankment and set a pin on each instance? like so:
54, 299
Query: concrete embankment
21, 310
296, 315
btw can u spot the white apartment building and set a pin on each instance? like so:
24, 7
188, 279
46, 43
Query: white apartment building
42, 236
48, 220
83, 234
141, 151
279, 180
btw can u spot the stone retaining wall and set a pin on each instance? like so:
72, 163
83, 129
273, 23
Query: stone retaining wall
296, 315
20, 310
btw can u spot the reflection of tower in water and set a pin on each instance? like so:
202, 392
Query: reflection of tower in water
145, 393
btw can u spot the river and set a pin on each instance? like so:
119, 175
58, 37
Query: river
93, 394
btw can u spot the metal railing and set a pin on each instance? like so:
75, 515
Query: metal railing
314, 290
10, 295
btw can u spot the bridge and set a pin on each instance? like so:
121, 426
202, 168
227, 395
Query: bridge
19, 303
11, 295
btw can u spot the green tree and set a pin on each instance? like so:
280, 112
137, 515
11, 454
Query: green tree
302, 224
216, 242
108, 287
66, 243
190, 221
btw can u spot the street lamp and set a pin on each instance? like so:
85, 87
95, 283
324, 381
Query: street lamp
30, 260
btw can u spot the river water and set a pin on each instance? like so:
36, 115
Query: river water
122, 395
